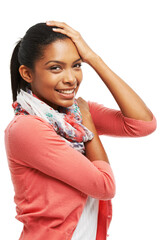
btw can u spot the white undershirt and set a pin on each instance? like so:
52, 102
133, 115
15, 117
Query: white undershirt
87, 226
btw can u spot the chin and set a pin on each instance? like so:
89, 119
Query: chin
68, 103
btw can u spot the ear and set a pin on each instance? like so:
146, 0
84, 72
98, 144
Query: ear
26, 73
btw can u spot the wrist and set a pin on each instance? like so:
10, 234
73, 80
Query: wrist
88, 123
92, 58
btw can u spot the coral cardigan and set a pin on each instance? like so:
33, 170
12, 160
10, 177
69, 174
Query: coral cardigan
52, 180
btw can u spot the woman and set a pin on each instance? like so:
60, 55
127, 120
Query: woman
62, 178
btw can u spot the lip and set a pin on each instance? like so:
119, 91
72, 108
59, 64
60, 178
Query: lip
64, 89
66, 96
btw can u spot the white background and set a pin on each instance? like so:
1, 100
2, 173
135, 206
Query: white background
126, 35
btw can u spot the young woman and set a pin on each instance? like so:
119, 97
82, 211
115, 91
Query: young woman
62, 178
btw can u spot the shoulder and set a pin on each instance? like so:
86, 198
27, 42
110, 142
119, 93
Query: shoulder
27, 135
26, 124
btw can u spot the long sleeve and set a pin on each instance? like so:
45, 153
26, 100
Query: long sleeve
112, 122
32, 142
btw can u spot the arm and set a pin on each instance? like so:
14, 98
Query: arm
113, 123
129, 102
94, 148
32, 142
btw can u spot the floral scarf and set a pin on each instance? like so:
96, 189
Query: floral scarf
67, 122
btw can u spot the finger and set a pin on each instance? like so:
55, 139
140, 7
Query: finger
52, 23
82, 101
58, 24
61, 25
70, 34
79, 101
60, 30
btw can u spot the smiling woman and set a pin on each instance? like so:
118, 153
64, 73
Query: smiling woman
57, 75
61, 174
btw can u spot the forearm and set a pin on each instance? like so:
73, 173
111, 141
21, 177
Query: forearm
129, 102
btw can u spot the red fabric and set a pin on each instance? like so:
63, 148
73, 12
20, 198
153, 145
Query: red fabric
52, 180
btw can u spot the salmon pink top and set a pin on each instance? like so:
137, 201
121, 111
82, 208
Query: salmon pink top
52, 181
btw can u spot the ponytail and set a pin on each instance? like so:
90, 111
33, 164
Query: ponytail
14, 70
16, 80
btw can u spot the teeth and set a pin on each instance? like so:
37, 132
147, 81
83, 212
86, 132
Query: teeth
66, 91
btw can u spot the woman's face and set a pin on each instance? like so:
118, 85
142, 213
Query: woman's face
57, 75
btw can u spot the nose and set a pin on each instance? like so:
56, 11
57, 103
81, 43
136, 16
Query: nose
69, 77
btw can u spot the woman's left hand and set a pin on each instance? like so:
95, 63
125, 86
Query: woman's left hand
84, 50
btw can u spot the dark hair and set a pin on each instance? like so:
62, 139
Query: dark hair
28, 50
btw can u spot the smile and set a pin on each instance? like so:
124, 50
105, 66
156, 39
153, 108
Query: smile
66, 91
67, 94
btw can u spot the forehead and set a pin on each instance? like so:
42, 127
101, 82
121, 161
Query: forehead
61, 50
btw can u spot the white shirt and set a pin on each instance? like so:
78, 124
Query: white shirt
87, 226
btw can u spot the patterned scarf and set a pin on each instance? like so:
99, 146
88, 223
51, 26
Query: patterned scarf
67, 122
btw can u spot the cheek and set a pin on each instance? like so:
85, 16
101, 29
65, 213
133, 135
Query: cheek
79, 77
47, 80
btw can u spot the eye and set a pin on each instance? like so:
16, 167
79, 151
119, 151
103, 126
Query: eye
77, 65
55, 68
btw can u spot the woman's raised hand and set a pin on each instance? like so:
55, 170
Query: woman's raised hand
84, 50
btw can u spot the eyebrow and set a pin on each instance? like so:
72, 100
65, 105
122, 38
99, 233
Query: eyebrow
60, 62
